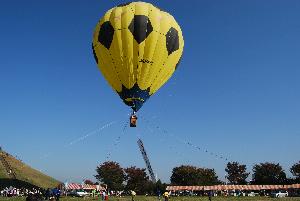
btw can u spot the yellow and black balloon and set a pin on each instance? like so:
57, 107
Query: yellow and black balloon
137, 47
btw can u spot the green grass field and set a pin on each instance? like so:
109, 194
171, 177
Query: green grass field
144, 198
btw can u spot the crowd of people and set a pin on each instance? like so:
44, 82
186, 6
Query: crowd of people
31, 193
13, 191
35, 194
165, 195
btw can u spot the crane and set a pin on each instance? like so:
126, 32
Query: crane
146, 159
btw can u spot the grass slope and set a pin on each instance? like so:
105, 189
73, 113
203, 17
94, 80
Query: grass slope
3, 173
26, 173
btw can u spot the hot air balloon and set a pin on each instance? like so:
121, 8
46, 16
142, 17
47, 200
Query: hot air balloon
137, 47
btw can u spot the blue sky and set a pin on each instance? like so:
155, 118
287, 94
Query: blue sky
235, 94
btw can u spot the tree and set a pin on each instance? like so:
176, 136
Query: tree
87, 181
159, 187
208, 177
236, 173
136, 179
295, 170
111, 174
268, 173
186, 175
149, 188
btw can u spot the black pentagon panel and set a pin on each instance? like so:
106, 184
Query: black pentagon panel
106, 34
178, 63
140, 27
172, 40
94, 53
124, 4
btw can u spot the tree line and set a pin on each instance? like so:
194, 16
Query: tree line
134, 178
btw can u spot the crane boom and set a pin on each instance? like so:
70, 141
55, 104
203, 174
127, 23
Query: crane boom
146, 159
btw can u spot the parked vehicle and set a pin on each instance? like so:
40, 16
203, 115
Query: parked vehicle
78, 193
252, 194
279, 194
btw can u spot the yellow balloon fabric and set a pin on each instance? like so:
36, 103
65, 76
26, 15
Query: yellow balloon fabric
137, 48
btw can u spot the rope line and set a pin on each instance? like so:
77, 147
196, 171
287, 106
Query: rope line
188, 143
117, 141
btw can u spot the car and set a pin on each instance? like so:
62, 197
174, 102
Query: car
279, 194
252, 194
78, 193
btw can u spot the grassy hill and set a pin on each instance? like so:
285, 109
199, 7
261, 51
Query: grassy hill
24, 172
3, 174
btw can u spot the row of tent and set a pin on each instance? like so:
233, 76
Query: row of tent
76, 186
232, 187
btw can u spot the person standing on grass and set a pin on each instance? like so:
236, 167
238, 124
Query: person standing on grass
103, 195
166, 196
210, 195
56, 193
133, 194
47, 194
158, 194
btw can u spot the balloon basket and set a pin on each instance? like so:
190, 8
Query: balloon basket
133, 120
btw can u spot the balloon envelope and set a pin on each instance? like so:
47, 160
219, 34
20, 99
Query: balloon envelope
137, 48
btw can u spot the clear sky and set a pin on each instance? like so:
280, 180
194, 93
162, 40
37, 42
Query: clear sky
235, 94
